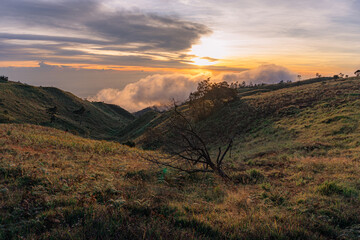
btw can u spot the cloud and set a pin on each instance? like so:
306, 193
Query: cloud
153, 90
87, 32
159, 32
37, 37
160, 89
268, 74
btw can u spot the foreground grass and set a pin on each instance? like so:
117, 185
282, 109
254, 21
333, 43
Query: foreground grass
54, 185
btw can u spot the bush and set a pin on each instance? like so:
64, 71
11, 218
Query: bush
331, 188
4, 79
129, 143
256, 176
138, 175
252, 176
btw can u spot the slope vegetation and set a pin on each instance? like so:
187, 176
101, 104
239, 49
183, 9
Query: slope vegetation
21, 103
295, 165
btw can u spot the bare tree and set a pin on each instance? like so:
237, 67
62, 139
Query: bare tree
189, 135
187, 146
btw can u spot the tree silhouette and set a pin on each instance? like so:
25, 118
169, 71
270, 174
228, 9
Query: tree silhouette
52, 111
80, 112
4, 78
357, 73
188, 139
209, 97
187, 146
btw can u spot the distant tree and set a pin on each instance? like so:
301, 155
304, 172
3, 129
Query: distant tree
336, 77
234, 85
318, 75
357, 73
341, 75
80, 112
281, 82
52, 112
4, 78
346, 76
299, 77
209, 97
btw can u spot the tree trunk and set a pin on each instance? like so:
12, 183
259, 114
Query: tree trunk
219, 171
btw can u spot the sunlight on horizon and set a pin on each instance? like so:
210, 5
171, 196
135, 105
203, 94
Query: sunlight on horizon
209, 51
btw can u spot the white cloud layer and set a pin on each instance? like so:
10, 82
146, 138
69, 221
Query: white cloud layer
161, 89
264, 74
151, 91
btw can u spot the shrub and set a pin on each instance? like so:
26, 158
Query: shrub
256, 176
331, 188
4, 78
138, 175
215, 195
129, 143
252, 176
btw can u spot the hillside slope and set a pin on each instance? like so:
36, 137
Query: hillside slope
271, 103
294, 164
21, 103
54, 185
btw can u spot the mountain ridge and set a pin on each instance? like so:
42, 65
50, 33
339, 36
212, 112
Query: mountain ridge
49, 106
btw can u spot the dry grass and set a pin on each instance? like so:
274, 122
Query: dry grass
296, 169
55, 185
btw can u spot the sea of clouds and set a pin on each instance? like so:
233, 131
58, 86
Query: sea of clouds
160, 89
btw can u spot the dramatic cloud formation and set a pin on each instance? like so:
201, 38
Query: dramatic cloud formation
88, 32
153, 90
162, 36
160, 89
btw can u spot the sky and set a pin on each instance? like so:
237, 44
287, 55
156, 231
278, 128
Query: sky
137, 53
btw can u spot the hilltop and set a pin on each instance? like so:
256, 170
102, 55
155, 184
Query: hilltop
48, 106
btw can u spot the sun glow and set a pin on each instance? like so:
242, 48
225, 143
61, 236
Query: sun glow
208, 52
202, 61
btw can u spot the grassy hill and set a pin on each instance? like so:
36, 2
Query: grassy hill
295, 165
21, 103
267, 103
